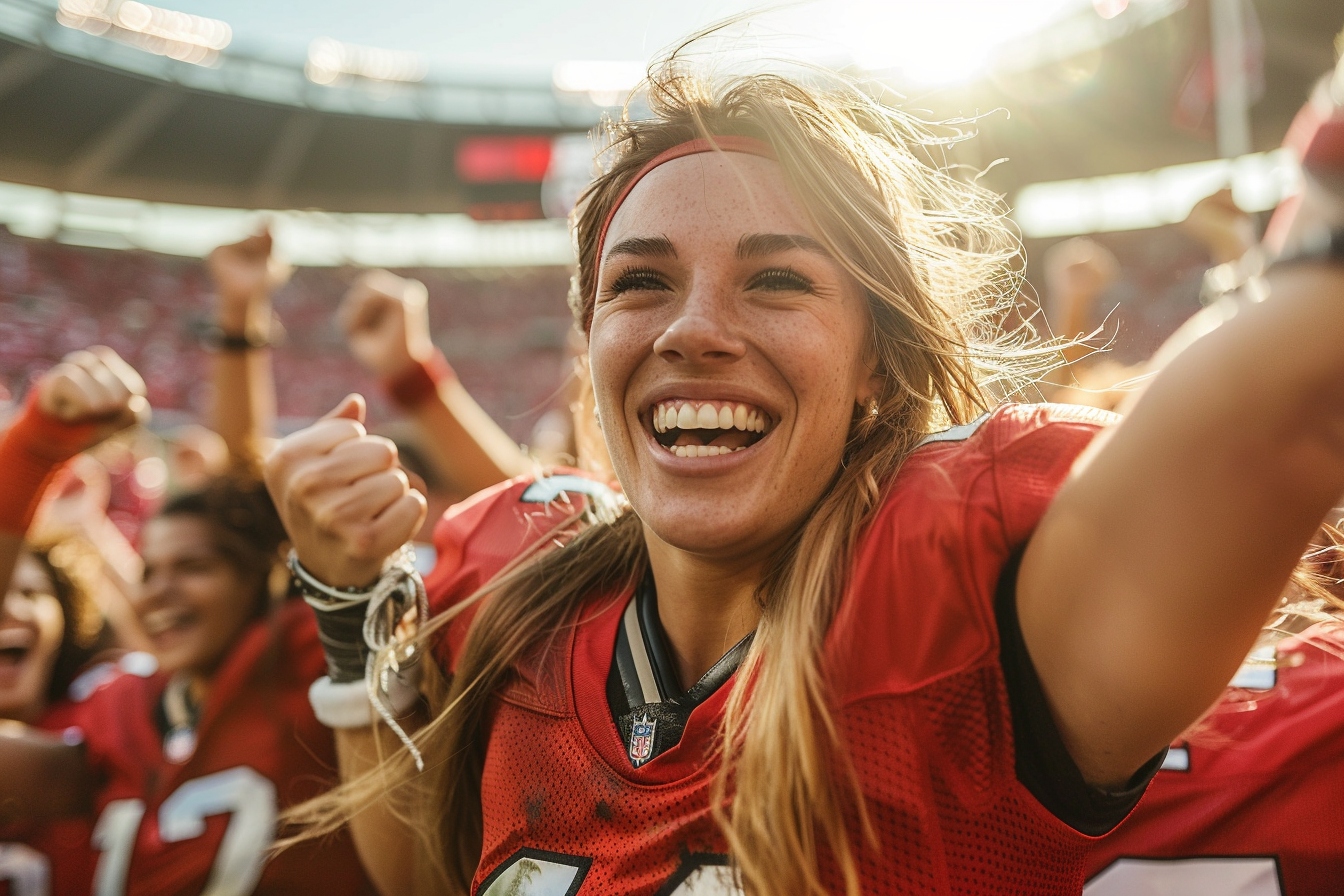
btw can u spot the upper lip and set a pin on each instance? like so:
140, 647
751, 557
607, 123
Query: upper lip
21, 636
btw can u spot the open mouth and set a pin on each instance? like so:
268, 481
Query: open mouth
167, 619
15, 645
708, 428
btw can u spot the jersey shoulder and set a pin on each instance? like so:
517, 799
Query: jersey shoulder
476, 539
921, 601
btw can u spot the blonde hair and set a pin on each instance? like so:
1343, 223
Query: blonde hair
938, 262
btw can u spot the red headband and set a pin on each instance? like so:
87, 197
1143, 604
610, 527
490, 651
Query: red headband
725, 143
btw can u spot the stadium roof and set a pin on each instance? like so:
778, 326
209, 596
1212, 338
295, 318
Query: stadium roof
260, 127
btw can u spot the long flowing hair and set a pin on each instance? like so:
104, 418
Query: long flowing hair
939, 264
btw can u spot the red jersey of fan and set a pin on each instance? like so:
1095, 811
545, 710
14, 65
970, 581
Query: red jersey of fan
913, 657
204, 825
1252, 802
50, 858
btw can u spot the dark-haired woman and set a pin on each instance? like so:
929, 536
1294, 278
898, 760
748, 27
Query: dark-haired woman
50, 633
183, 771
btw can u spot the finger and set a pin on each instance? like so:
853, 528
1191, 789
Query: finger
401, 520
351, 407
128, 375
112, 395
314, 441
361, 502
68, 392
415, 479
358, 458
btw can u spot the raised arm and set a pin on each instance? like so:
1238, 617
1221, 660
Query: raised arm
386, 321
74, 406
1159, 561
347, 507
245, 275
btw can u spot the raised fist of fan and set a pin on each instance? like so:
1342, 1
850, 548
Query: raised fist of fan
344, 499
386, 323
93, 386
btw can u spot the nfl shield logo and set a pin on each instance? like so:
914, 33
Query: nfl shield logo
641, 740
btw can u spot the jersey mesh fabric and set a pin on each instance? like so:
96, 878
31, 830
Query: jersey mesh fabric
1265, 779
912, 659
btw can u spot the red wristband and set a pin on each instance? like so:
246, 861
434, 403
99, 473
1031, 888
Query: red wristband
31, 451
420, 382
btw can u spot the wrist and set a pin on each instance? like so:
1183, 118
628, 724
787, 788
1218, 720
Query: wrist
31, 451
419, 382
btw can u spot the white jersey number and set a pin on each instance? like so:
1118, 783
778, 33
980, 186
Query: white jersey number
1248, 876
248, 796
535, 872
27, 871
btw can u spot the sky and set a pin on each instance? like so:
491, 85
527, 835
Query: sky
524, 39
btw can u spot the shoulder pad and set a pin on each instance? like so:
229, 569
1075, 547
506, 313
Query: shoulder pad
136, 662
956, 433
549, 488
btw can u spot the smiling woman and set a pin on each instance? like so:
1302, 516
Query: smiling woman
164, 781
851, 627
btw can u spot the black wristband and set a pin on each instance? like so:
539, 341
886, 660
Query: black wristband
215, 337
341, 632
340, 621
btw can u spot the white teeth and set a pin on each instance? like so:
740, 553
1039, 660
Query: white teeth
703, 450
707, 415
687, 418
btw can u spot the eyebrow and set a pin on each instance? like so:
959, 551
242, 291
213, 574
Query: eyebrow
644, 247
755, 245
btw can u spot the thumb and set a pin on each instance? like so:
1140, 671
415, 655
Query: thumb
351, 407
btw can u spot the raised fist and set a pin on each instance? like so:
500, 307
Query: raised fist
386, 322
93, 386
1077, 271
345, 501
245, 274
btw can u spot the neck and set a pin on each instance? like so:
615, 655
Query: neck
705, 605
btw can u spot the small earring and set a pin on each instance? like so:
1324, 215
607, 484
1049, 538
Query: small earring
872, 407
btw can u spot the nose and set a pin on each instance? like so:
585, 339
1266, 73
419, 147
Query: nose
152, 588
704, 330
17, 606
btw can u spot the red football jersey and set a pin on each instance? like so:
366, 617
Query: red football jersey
205, 825
913, 657
1252, 801
51, 858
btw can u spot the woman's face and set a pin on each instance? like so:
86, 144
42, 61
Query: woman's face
194, 601
32, 625
728, 351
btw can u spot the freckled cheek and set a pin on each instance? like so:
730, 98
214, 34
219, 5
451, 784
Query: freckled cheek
613, 355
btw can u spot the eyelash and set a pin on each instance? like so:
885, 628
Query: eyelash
635, 278
647, 278
787, 278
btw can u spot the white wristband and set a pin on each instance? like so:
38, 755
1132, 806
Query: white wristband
346, 705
